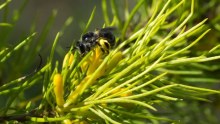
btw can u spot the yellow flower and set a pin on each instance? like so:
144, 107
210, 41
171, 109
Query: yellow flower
58, 89
67, 121
89, 67
68, 59
93, 62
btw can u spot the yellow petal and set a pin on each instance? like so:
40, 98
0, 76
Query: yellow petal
68, 59
58, 89
67, 121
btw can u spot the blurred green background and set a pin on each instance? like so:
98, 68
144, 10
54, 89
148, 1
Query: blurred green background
47, 17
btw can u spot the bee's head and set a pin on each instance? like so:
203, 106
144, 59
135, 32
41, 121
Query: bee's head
88, 37
83, 47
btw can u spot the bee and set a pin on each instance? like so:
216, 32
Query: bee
102, 38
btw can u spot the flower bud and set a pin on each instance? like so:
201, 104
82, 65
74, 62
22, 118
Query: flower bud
68, 59
58, 89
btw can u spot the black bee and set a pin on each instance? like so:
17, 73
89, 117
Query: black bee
104, 38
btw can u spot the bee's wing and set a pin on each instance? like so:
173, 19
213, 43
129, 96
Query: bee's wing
108, 29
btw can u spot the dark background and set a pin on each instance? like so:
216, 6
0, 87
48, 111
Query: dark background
38, 12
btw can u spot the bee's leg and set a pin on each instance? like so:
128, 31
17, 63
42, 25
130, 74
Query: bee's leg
107, 45
102, 49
